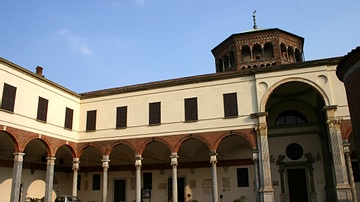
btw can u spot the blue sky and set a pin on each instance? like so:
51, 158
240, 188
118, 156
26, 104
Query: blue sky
91, 45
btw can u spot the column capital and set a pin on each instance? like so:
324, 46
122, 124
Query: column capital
105, 161
334, 123
174, 157
19, 156
138, 160
213, 158
255, 155
76, 162
51, 160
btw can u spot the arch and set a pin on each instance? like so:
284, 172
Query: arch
178, 145
257, 52
13, 139
149, 141
220, 65
85, 146
268, 50
244, 135
270, 90
72, 150
232, 58
298, 55
291, 54
46, 144
121, 142
246, 53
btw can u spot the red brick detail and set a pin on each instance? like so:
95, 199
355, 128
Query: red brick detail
22, 138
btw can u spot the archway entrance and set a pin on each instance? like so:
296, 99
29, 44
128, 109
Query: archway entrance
299, 144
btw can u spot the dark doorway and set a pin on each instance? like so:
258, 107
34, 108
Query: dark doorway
181, 189
297, 185
119, 190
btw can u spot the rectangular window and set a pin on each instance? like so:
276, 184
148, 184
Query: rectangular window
242, 177
191, 111
230, 105
42, 109
8, 98
68, 118
121, 117
147, 180
154, 113
96, 182
91, 120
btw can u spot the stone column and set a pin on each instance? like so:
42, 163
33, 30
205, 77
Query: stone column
105, 164
342, 187
75, 168
49, 178
347, 152
266, 190
138, 177
174, 164
16, 176
256, 171
213, 162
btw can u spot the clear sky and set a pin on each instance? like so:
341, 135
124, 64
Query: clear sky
87, 45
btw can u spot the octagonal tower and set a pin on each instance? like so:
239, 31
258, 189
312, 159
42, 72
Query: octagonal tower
258, 48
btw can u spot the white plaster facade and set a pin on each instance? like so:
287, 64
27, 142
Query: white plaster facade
309, 87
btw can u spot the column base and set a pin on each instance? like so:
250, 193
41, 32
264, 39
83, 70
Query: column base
343, 193
313, 197
284, 197
267, 194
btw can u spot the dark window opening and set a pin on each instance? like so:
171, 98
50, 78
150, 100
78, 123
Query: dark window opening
91, 120
8, 98
356, 172
42, 109
243, 177
68, 118
191, 111
121, 117
96, 182
230, 105
290, 117
154, 113
78, 182
147, 180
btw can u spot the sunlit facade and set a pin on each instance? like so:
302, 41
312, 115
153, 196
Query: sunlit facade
267, 126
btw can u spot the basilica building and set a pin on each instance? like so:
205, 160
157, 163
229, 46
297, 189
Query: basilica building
265, 126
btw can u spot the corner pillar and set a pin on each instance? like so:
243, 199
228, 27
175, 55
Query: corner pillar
266, 189
342, 187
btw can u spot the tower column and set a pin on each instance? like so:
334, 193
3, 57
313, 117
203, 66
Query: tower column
16, 176
75, 168
49, 178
